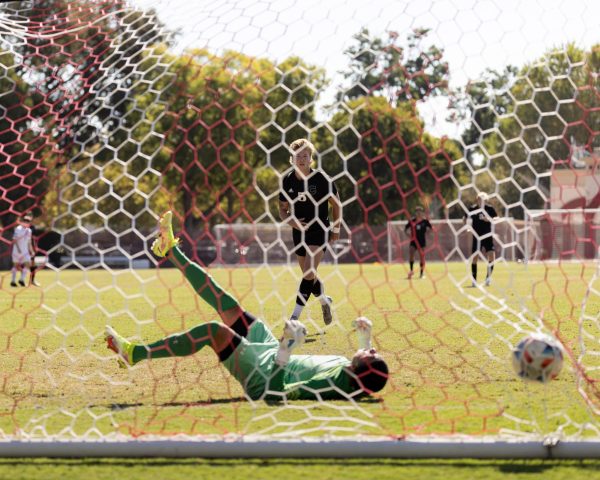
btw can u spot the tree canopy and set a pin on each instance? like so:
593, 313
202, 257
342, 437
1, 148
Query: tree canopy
524, 121
103, 126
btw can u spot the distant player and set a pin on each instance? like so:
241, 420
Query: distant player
304, 201
263, 365
482, 218
35, 267
23, 251
417, 229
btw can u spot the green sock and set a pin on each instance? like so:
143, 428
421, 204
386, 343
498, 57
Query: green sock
178, 345
203, 283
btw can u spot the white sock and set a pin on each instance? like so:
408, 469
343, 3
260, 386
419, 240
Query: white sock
24, 274
297, 311
13, 274
323, 299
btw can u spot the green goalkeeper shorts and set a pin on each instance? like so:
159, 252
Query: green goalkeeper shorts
252, 362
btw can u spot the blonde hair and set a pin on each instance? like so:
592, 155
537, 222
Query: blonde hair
300, 144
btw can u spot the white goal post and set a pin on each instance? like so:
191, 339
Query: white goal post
419, 448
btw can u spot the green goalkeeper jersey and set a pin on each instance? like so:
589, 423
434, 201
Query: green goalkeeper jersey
313, 377
305, 377
252, 365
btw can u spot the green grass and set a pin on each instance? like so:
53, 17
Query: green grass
447, 348
323, 469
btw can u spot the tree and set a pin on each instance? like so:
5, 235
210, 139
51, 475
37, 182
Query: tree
216, 126
480, 104
21, 171
384, 67
391, 165
84, 74
522, 122
68, 94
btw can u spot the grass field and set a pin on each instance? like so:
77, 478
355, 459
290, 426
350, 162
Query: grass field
447, 347
322, 469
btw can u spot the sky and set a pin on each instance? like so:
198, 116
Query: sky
475, 34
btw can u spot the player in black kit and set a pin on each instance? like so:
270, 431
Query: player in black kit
482, 219
417, 228
304, 201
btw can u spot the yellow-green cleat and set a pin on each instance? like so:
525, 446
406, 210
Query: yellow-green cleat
120, 346
166, 240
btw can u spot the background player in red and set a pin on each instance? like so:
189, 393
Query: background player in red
418, 228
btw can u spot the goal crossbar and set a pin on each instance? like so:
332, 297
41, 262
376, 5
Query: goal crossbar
424, 447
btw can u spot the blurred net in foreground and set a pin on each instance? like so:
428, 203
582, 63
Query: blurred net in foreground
108, 117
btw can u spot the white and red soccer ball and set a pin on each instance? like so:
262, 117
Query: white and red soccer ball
538, 358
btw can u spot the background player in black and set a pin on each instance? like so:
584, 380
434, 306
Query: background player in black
482, 219
417, 228
34, 267
304, 201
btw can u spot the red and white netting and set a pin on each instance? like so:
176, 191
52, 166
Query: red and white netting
112, 112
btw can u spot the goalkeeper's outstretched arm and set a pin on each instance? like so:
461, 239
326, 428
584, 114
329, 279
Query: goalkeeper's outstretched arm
363, 327
365, 374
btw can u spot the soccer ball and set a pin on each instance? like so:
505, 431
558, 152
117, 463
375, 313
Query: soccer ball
538, 358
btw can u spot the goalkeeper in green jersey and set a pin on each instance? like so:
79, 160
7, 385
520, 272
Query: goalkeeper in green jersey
263, 365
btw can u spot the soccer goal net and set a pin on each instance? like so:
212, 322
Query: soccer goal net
113, 112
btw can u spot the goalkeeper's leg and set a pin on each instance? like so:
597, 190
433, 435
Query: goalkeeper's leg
222, 339
206, 286
228, 308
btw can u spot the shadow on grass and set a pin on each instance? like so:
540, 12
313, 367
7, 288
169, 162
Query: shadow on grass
523, 468
215, 401
201, 403
313, 337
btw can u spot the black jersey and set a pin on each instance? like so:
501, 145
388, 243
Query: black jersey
308, 197
481, 218
418, 229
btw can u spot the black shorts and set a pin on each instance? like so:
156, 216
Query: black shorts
418, 245
486, 243
315, 237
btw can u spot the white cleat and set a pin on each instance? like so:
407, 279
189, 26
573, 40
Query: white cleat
488, 282
326, 309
